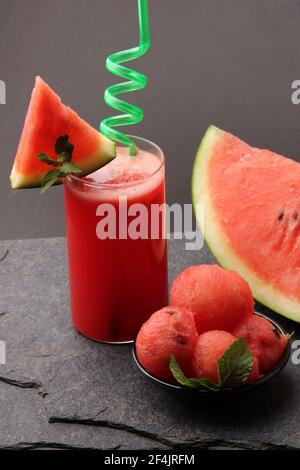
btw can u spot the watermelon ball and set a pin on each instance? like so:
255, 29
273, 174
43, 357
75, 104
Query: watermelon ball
263, 340
168, 331
209, 348
220, 299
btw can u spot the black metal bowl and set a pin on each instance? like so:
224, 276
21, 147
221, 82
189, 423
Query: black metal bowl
228, 391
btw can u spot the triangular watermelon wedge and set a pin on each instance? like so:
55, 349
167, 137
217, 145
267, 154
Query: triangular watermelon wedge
47, 119
251, 200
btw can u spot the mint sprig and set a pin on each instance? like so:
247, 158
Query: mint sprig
234, 368
235, 365
49, 179
190, 383
62, 164
64, 148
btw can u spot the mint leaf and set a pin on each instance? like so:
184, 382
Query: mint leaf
235, 365
190, 383
234, 368
64, 148
49, 179
50, 161
69, 167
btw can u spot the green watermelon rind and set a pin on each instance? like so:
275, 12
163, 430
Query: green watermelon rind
219, 244
88, 164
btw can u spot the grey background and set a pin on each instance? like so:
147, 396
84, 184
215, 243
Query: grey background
230, 63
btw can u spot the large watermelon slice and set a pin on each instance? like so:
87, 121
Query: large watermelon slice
252, 216
47, 119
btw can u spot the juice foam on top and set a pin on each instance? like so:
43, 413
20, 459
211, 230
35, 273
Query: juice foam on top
125, 168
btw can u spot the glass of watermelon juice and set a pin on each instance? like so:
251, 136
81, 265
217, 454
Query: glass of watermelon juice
117, 280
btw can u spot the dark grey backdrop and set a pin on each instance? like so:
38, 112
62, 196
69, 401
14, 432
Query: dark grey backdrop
230, 63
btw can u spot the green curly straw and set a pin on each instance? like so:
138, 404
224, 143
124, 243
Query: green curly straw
136, 81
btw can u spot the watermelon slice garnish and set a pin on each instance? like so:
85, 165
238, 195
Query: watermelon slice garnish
47, 119
251, 200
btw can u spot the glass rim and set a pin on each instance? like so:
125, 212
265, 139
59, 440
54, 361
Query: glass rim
78, 179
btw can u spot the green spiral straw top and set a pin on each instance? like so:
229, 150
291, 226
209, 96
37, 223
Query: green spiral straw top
136, 81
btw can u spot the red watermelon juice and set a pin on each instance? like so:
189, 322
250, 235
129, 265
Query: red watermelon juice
117, 278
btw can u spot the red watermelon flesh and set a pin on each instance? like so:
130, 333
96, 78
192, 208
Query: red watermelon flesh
47, 119
252, 216
219, 298
169, 331
263, 340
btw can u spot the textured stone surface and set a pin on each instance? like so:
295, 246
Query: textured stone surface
60, 389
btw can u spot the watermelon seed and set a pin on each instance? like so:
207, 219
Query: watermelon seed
169, 312
295, 215
281, 215
180, 339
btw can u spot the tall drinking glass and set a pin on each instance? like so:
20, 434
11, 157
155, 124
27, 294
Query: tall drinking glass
117, 248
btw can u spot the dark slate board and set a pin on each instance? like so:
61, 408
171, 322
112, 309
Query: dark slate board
59, 389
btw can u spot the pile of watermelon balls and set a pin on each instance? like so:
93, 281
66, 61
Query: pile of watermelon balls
210, 308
